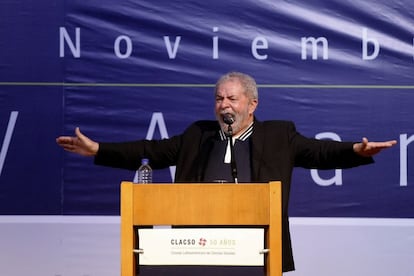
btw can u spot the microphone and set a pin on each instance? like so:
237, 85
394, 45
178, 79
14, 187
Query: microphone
229, 120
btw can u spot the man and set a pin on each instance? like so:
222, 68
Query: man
264, 151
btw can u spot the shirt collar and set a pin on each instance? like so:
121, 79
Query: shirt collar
242, 137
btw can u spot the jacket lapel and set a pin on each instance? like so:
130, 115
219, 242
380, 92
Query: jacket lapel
257, 147
206, 145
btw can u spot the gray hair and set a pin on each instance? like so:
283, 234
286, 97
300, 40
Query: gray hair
246, 81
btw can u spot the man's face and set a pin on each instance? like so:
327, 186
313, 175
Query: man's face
231, 99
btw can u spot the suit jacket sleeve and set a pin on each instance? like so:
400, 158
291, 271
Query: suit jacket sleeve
324, 154
128, 155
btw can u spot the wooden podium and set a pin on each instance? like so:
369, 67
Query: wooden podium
222, 205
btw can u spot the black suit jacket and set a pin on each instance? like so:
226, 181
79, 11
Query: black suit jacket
276, 148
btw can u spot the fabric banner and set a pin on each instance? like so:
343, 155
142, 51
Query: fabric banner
129, 70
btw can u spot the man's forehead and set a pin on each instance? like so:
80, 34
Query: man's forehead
231, 86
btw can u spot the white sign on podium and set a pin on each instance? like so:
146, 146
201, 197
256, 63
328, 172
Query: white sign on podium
201, 246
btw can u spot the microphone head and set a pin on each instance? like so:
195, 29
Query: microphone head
228, 118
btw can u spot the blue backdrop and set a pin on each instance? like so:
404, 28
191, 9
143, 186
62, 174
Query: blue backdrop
113, 67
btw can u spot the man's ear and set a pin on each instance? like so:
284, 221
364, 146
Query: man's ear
252, 105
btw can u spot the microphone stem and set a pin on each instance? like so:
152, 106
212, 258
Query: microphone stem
232, 157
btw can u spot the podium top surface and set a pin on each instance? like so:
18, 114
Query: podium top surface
200, 204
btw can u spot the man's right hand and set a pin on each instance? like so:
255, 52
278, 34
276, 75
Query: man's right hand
79, 144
